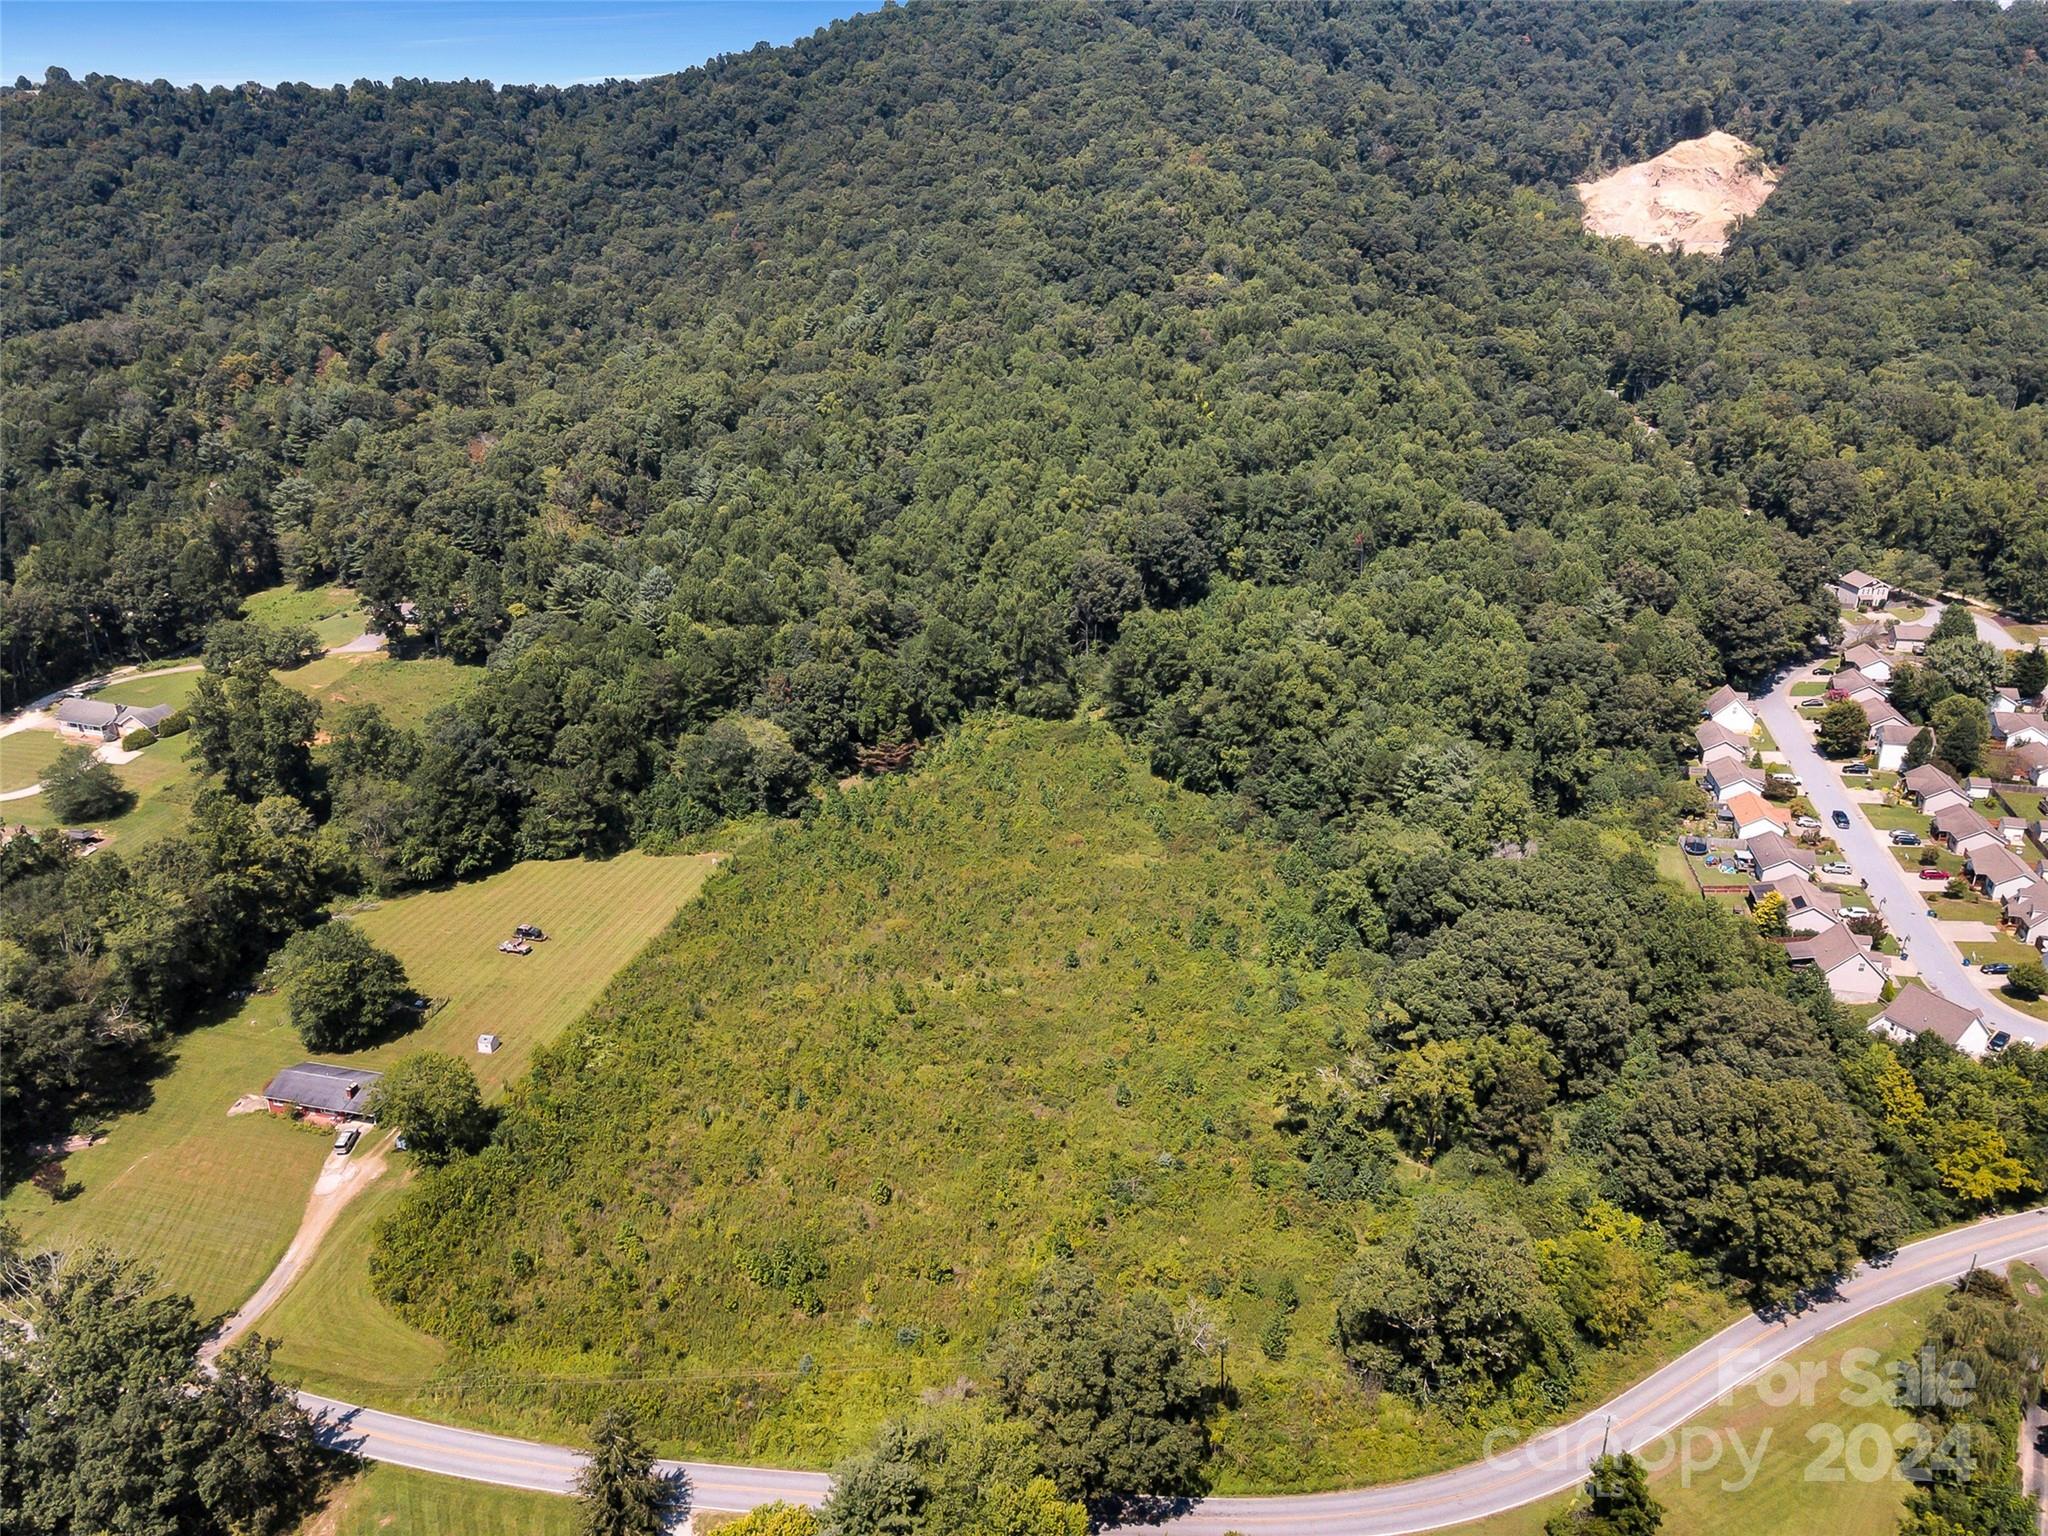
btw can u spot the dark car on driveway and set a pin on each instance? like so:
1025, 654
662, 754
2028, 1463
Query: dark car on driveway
1840, 819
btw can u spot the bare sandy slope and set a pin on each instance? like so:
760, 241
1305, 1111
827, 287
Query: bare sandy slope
1685, 199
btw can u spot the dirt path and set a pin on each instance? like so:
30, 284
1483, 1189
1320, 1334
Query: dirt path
339, 1183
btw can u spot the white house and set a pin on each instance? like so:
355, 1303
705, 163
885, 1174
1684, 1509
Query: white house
2019, 728
1776, 857
1965, 831
1860, 589
1998, 872
1753, 816
1719, 744
1852, 684
1855, 972
1917, 1011
1726, 708
1889, 739
2030, 762
1933, 790
2027, 910
1808, 908
1870, 661
1725, 780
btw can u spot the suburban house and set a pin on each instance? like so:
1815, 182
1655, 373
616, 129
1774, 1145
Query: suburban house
1913, 636
1917, 1011
1854, 971
1753, 816
1777, 857
1727, 708
106, 722
1998, 871
322, 1093
1808, 908
1962, 830
1725, 780
1933, 790
1870, 661
1860, 589
2019, 728
1719, 744
2030, 763
1851, 684
2027, 910
1889, 739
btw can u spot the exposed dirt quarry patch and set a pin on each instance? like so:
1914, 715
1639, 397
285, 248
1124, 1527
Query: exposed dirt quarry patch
1686, 199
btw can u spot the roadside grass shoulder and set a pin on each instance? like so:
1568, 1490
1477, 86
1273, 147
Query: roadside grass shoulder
1816, 1445
386, 1500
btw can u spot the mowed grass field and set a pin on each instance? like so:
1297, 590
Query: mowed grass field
163, 780
397, 1501
407, 691
211, 1200
334, 614
24, 757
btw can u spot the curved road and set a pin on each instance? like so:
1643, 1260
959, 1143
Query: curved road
1899, 898
1535, 1469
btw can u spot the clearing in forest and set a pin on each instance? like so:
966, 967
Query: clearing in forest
1686, 199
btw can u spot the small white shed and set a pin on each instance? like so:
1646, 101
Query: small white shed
487, 1044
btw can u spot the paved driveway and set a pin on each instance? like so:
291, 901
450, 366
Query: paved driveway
1896, 894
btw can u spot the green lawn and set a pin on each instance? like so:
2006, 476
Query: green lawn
1896, 818
163, 780
208, 1199
1787, 1445
212, 1200
1812, 690
1973, 910
24, 758
172, 688
334, 614
2005, 947
396, 1501
407, 691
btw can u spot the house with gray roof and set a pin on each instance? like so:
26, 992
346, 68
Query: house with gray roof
321, 1091
1917, 1011
106, 722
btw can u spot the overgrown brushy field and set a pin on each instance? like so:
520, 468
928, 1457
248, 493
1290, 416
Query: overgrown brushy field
817, 1141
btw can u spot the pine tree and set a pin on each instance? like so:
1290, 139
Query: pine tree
620, 1492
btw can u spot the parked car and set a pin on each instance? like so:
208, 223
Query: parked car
1805, 821
1836, 868
345, 1140
1933, 874
529, 931
1696, 846
515, 947
1906, 839
1997, 968
1849, 768
1840, 819
1855, 911
1787, 778
1999, 1042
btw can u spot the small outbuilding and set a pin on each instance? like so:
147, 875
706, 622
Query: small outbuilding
487, 1045
322, 1093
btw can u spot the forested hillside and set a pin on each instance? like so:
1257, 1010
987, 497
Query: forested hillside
1232, 389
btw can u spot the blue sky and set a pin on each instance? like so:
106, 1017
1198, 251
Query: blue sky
322, 42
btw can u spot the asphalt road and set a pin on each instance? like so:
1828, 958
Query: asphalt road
1540, 1468
1897, 895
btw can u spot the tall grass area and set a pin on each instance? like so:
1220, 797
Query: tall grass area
814, 1143
334, 614
407, 691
